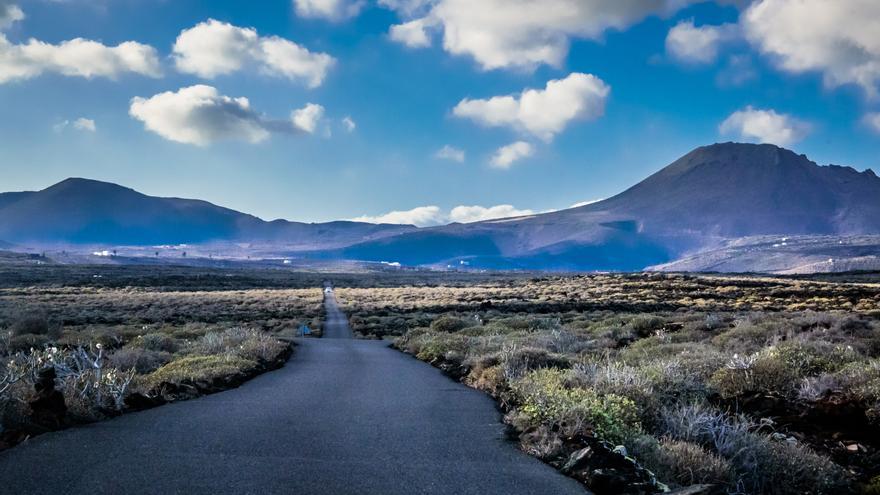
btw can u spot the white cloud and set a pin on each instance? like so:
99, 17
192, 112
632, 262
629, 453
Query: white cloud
450, 153
215, 48
307, 118
837, 38
521, 33
698, 45
542, 113
334, 10
422, 216
468, 214
349, 124
413, 34
585, 203
765, 126
10, 13
80, 124
84, 124
872, 120
407, 8
505, 156
76, 57
429, 216
200, 115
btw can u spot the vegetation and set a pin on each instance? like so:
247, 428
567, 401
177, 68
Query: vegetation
750, 384
72, 352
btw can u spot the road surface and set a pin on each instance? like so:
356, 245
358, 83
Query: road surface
344, 416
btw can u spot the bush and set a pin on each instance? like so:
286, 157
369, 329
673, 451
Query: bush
766, 373
197, 369
681, 462
761, 463
516, 360
143, 361
450, 324
544, 400
159, 342
30, 325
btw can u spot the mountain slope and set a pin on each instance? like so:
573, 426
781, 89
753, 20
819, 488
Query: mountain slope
711, 194
82, 211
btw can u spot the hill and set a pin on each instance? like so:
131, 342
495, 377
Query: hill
82, 211
707, 197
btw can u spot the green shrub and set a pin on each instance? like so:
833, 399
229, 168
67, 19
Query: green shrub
143, 361
159, 342
449, 324
198, 369
544, 400
766, 372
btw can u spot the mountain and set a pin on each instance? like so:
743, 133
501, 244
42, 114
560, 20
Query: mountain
707, 197
719, 207
82, 211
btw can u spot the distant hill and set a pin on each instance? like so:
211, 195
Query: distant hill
82, 211
719, 207
708, 196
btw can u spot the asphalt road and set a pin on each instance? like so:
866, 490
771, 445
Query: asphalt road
344, 416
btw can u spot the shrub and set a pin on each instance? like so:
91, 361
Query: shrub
681, 462
765, 372
449, 324
761, 463
197, 369
544, 400
143, 361
516, 360
159, 342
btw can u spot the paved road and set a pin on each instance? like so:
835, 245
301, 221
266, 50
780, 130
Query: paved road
344, 416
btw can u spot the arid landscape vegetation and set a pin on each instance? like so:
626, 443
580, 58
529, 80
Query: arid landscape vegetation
633, 383
120, 339
630, 383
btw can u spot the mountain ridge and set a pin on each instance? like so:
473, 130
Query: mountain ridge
699, 202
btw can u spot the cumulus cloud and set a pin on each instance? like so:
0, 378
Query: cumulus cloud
838, 39
518, 33
213, 48
468, 214
200, 115
422, 216
413, 34
10, 13
505, 156
450, 153
429, 216
542, 113
688, 43
334, 10
765, 126
872, 120
349, 124
77, 57
307, 118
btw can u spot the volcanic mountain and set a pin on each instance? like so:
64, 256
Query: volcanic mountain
82, 211
707, 197
713, 199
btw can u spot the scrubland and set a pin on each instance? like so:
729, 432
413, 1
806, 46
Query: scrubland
648, 382
76, 347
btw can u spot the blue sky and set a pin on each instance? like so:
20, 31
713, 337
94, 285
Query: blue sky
639, 86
